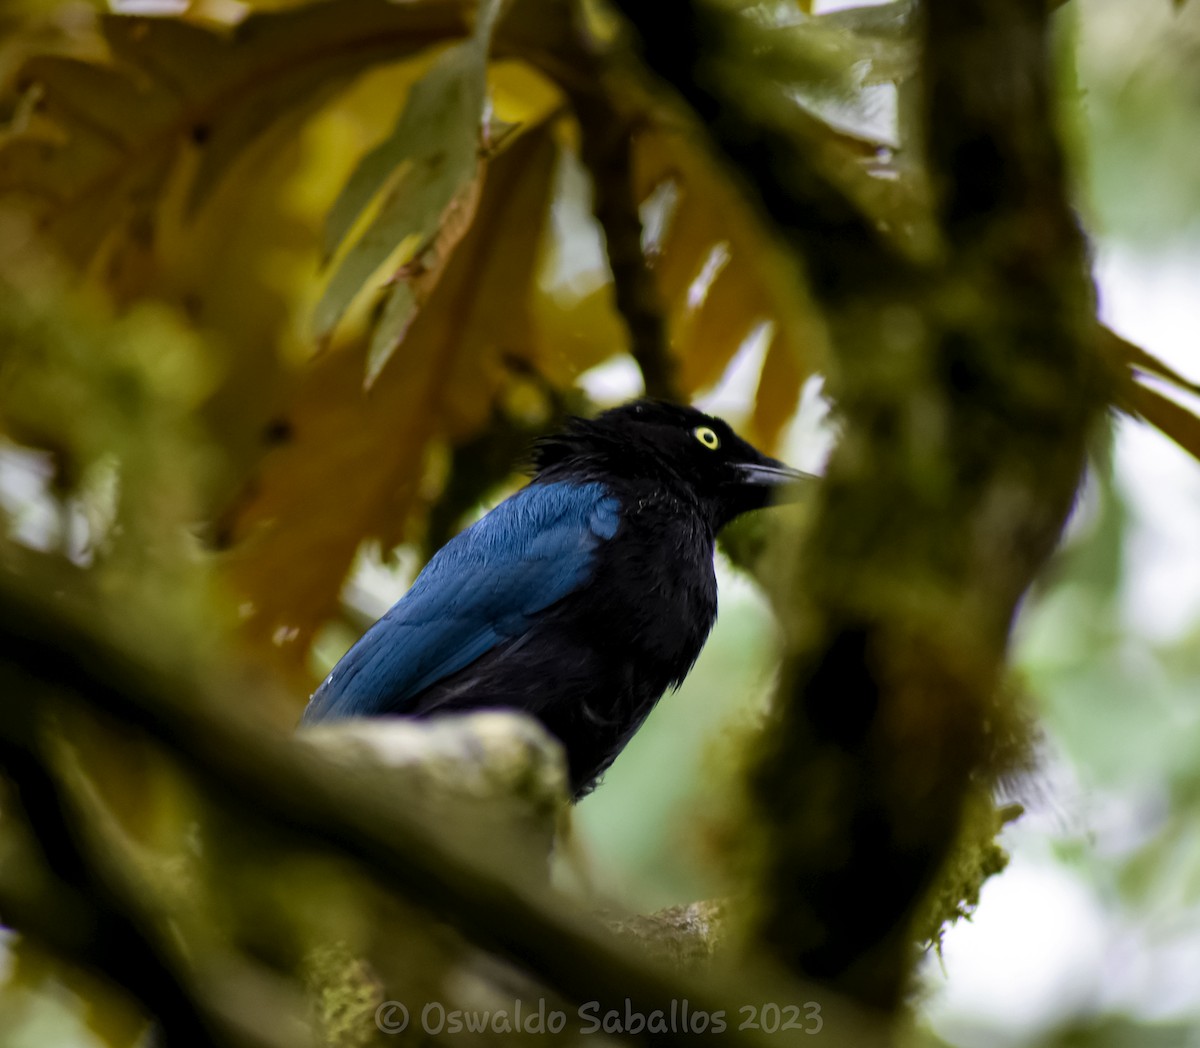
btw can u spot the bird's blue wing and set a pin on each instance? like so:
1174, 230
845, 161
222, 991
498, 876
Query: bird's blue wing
480, 589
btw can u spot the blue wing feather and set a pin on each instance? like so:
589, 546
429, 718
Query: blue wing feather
483, 587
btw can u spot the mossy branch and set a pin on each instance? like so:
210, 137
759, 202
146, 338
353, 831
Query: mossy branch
263, 779
82, 908
967, 386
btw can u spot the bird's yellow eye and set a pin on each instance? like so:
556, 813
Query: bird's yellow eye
707, 437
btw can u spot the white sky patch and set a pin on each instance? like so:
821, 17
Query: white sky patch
613, 382
809, 437
25, 500
1152, 300
733, 394
1161, 590
1032, 955
1151, 969
657, 212
149, 7
717, 259
576, 260
870, 113
376, 582
823, 7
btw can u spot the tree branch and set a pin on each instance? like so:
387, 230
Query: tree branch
83, 910
967, 388
607, 152
268, 779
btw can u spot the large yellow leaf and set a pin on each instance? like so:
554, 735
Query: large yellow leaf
720, 277
355, 460
131, 152
121, 127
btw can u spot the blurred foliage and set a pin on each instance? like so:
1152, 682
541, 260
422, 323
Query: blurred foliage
112, 402
278, 281
1139, 80
283, 280
192, 163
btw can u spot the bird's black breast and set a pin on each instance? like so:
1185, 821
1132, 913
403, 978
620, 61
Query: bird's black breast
655, 585
593, 665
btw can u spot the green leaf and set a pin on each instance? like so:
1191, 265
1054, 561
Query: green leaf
435, 144
401, 306
721, 276
437, 136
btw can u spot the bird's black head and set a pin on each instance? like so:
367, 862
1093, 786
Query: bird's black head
681, 449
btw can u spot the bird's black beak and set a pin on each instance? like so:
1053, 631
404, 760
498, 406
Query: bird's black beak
761, 482
768, 473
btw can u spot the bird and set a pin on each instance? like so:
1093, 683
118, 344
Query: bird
581, 599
